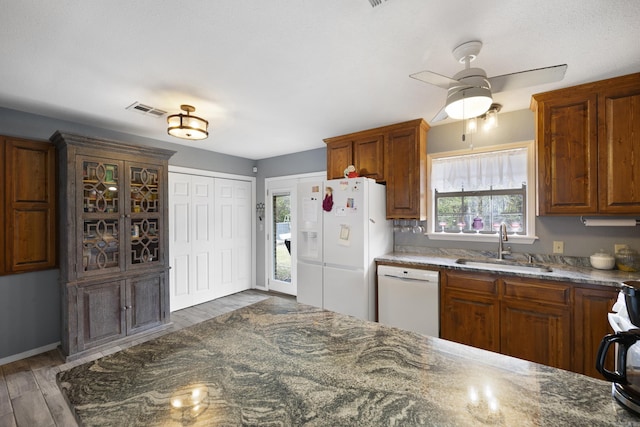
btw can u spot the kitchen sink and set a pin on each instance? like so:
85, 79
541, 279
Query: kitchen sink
504, 265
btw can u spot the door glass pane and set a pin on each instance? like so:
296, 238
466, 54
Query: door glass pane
281, 237
100, 244
145, 241
144, 189
100, 185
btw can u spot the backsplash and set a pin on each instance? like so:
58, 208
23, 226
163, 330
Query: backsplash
518, 256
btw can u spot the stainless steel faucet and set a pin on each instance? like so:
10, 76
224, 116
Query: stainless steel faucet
502, 237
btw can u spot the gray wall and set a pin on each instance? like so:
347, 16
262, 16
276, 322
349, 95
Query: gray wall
30, 302
292, 164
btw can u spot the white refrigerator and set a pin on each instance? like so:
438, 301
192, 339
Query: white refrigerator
336, 245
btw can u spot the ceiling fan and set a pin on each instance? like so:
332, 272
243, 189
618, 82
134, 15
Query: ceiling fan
469, 91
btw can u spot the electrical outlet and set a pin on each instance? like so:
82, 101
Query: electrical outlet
558, 247
617, 247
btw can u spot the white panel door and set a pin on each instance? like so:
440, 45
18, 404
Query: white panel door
232, 261
191, 248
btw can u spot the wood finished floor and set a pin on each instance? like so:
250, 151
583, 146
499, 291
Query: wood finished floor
30, 397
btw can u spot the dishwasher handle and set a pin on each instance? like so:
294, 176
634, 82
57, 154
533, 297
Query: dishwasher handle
408, 273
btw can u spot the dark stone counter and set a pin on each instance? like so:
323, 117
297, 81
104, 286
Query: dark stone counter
281, 363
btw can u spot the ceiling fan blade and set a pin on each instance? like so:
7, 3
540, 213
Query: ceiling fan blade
442, 115
527, 78
434, 79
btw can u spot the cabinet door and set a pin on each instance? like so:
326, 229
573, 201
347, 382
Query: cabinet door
405, 174
100, 213
567, 135
146, 306
536, 332
101, 313
470, 310
368, 156
144, 209
619, 147
339, 156
30, 222
591, 324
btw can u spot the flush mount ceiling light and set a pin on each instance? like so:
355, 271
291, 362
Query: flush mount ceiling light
186, 126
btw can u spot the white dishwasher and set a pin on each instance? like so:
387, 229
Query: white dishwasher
408, 298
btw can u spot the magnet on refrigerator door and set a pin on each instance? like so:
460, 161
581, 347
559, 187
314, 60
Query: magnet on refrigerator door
344, 238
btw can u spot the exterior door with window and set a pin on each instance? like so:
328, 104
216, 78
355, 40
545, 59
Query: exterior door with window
280, 250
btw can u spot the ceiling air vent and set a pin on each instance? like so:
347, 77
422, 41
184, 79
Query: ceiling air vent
375, 3
146, 109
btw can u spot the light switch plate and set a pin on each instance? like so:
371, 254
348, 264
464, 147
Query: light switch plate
558, 247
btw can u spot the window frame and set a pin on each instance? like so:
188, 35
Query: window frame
529, 238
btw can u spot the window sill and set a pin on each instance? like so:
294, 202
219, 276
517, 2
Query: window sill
471, 237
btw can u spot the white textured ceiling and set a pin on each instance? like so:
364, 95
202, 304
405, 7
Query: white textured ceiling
276, 77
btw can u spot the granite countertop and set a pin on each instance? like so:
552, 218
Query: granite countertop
562, 269
279, 362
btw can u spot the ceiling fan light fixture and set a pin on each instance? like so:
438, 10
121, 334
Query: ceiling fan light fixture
491, 117
470, 102
186, 126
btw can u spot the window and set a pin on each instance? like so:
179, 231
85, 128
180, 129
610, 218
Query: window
281, 242
472, 192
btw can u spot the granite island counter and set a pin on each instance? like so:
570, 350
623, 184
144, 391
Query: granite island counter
278, 362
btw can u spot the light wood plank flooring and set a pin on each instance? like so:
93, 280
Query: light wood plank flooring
30, 397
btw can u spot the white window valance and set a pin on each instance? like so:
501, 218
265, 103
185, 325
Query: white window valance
482, 171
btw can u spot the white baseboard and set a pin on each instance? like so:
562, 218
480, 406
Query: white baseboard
29, 353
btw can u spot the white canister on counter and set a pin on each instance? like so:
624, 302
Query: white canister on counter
602, 260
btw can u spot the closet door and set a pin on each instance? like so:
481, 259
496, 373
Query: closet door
191, 248
232, 237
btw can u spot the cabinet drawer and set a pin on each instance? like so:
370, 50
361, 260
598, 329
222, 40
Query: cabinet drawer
535, 291
475, 282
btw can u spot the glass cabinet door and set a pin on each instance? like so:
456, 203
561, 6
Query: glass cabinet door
100, 215
145, 209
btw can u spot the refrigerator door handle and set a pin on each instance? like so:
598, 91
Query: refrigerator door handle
342, 267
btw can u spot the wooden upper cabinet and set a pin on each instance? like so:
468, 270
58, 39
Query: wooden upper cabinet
29, 208
365, 151
395, 155
368, 157
339, 156
567, 156
619, 147
588, 146
406, 173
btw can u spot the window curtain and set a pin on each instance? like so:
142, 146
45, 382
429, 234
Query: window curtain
475, 172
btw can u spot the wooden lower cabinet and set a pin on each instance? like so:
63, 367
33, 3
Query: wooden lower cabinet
115, 309
470, 310
553, 323
101, 313
535, 332
145, 303
591, 306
